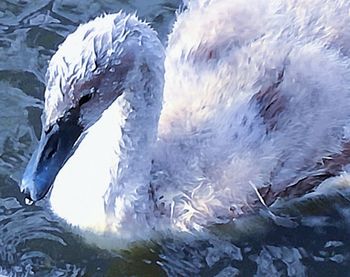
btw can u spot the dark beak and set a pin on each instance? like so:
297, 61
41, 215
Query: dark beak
56, 145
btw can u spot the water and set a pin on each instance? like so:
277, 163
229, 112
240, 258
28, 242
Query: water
305, 238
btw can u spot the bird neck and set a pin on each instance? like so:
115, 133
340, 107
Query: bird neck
138, 110
108, 176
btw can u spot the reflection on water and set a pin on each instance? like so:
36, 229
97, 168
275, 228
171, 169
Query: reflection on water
312, 240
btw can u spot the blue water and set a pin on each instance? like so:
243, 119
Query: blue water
310, 237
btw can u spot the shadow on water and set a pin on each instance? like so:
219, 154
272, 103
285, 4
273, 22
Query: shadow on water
34, 243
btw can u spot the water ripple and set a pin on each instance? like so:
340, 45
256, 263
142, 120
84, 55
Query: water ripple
35, 243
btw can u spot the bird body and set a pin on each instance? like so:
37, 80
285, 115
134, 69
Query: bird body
247, 104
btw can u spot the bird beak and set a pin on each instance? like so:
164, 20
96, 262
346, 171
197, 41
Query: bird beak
55, 147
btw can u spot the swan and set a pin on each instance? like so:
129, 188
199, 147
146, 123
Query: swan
246, 104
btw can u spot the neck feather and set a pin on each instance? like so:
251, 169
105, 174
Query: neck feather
128, 193
106, 181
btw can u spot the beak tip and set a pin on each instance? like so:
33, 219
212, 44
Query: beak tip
25, 188
28, 201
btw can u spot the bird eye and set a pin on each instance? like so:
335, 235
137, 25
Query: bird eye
86, 98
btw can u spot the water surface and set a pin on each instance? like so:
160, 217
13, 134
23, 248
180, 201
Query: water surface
310, 238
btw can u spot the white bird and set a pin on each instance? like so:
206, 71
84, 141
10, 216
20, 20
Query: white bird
256, 106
